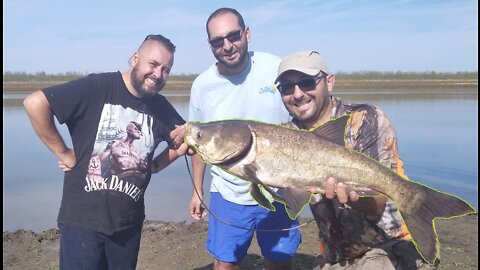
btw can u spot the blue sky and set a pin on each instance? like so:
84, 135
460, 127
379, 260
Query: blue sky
86, 36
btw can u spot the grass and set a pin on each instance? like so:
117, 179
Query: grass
25, 83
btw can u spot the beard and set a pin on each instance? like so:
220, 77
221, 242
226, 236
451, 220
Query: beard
138, 83
233, 64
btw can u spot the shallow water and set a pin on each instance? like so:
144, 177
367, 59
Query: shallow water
438, 142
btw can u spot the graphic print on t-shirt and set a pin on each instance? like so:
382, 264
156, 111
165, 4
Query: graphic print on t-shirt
121, 153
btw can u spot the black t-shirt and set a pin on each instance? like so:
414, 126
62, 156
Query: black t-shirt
114, 136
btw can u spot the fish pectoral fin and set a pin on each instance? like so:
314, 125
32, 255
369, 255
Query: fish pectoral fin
251, 172
296, 199
260, 198
274, 194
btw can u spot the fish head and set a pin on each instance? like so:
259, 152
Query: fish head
219, 142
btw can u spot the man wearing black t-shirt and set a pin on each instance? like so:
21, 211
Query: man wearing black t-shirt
101, 215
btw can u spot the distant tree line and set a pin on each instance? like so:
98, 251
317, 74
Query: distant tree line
400, 75
21, 76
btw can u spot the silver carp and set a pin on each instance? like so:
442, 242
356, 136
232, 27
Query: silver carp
298, 161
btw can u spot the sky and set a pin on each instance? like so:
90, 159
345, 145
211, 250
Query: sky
90, 36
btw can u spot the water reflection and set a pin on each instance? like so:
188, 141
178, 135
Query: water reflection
438, 141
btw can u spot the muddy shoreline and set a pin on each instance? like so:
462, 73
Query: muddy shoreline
179, 245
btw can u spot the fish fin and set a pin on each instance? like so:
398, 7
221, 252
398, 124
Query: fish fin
421, 224
260, 198
250, 172
296, 199
274, 194
333, 130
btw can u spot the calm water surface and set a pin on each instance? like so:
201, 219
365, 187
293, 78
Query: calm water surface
438, 142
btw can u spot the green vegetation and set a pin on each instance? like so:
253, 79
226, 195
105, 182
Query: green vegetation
399, 75
354, 81
9, 76
22, 76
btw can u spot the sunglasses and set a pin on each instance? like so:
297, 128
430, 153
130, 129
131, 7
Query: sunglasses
232, 37
307, 84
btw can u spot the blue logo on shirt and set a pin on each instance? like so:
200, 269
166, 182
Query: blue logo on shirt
267, 89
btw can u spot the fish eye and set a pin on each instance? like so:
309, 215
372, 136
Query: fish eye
199, 135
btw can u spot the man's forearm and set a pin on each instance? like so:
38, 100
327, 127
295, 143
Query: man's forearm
41, 117
198, 168
164, 159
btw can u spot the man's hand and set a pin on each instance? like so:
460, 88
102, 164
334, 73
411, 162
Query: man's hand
177, 135
339, 189
177, 138
185, 149
67, 160
197, 211
372, 206
333, 189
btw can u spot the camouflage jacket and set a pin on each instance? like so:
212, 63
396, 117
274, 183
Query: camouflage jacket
344, 232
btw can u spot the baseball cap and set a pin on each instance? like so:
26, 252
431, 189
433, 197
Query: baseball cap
308, 62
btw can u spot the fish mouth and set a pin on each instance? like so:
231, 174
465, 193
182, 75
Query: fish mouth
236, 157
214, 152
188, 136
229, 157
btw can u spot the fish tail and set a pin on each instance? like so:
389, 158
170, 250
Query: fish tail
421, 220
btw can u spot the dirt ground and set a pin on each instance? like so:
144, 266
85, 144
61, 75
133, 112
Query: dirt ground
167, 245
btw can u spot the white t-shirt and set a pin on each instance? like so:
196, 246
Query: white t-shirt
248, 95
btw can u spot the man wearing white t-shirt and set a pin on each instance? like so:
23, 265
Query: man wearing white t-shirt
241, 86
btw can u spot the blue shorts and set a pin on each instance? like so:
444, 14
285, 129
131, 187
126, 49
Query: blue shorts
230, 244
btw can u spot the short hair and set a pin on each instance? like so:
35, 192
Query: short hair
165, 41
222, 11
137, 125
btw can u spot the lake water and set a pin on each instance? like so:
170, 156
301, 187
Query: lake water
438, 142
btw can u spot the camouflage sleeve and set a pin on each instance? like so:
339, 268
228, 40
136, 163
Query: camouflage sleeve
388, 144
371, 132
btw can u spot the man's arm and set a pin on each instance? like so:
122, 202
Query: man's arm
176, 149
166, 157
377, 138
198, 168
41, 117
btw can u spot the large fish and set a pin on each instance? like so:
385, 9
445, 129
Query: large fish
298, 161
